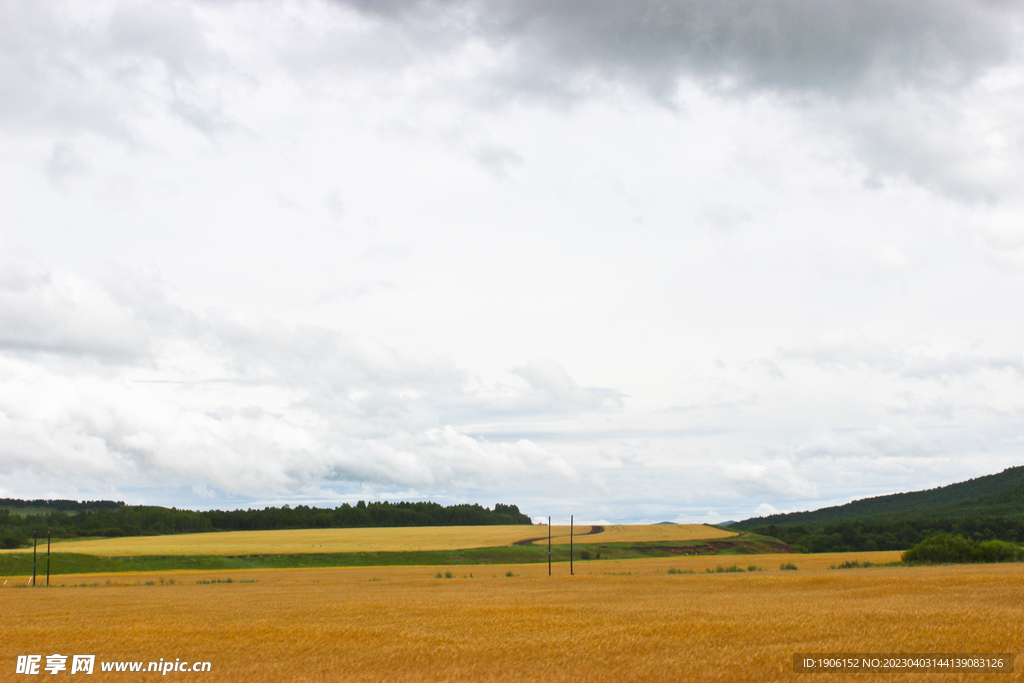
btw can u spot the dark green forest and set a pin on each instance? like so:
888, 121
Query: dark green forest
988, 508
68, 519
861, 535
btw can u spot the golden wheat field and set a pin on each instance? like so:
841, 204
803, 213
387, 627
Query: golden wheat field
614, 621
296, 541
638, 533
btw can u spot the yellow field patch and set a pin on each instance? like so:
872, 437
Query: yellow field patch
391, 539
614, 621
298, 541
642, 533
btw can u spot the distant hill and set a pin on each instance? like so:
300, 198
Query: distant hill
989, 507
996, 495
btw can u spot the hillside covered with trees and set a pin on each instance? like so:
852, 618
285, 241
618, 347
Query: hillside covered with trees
983, 509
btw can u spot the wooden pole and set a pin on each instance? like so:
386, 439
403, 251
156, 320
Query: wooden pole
48, 531
34, 536
549, 546
570, 547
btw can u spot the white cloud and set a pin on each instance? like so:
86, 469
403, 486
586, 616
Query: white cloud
551, 381
247, 407
99, 67
774, 477
343, 249
45, 313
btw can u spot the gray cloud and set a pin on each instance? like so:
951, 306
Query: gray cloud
885, 75
828, 47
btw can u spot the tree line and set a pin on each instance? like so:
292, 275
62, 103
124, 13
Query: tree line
141, 520
59, 504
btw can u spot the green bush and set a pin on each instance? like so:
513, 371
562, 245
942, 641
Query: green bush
999, 551
787, 566
9, 542
852, 564
944, 548
584, 554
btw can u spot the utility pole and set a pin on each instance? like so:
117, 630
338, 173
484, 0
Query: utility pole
571, 573
35, 535
549, 546
48, 532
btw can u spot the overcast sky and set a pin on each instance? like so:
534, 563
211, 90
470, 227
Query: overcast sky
627, 260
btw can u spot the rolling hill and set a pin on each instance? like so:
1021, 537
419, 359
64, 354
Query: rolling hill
994, 495
985, 508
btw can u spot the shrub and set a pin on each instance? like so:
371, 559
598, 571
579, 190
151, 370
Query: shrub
999, 551
852, 564
9, 542
509, 573
787, 565
449, 575
438, 576
942, 548
945, 548
584, 554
